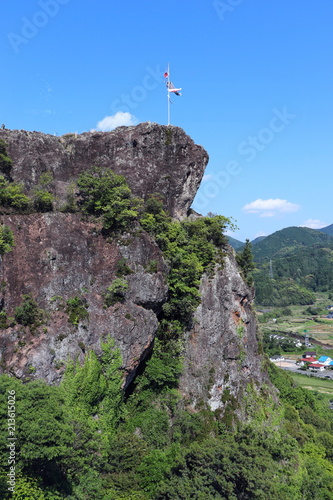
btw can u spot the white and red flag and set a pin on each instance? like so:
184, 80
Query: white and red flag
172, 88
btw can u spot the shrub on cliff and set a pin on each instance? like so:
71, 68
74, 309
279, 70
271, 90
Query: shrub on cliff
77, 310
5, 160
12, 196
107, 195
115, 292
43, 200
28, 313
6, 239
191, 248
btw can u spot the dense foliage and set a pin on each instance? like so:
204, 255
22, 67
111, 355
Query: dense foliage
28, 313
5, 160
280, 292
283, 242
291, 264
6, 239
107, 195
245, 261
12, 196
90, 438
83, 440
310, 267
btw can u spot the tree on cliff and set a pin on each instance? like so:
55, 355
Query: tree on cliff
106, 194
6, 239
245, 261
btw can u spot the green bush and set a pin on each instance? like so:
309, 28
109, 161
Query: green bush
77, 310
43, 201
107, 195
6, 239
12, 196
28, 313
3, 320
122, 269
5, 160
116, 292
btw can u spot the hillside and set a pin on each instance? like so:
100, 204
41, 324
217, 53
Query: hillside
258, 239
327, 229
236, 244
283, 242
130, 358
291, 264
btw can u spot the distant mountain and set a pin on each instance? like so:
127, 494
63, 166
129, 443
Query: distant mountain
327, 230
236, 244
286, 241
257, 240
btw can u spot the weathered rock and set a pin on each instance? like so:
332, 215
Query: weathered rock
221, 351
60, 256
152, 157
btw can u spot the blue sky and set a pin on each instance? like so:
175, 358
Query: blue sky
257, 83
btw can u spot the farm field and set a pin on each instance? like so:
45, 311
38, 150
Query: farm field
301, 322
322, 385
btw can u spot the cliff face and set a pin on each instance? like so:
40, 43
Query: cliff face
59, 256
221, 351
153, 158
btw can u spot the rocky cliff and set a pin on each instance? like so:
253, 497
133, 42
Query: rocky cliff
59, 257
153, 158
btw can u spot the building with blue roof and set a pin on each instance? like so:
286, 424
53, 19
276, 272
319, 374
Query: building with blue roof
325, 360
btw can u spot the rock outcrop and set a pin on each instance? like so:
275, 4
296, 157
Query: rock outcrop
221, 351
153, 158
60, 256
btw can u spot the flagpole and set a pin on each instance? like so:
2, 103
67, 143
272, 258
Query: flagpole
168, 93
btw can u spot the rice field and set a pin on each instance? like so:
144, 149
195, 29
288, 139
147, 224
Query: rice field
318, 384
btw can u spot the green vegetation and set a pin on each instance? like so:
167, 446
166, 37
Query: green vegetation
77, 310
283, 243
107, 195
6, 239
28, 313
191, 248
5, 160
280, 292
82, 440
116, 292
314, 383
43, 200
245, 261
299, 259
13, 197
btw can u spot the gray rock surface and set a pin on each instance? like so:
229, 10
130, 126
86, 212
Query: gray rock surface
58, 256
152, 157
221, 351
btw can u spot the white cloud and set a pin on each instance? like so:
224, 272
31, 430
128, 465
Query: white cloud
270, 207
261, 233
207, 177
117, 120
314, 224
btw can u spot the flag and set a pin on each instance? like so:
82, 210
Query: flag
166, 74
172, 88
